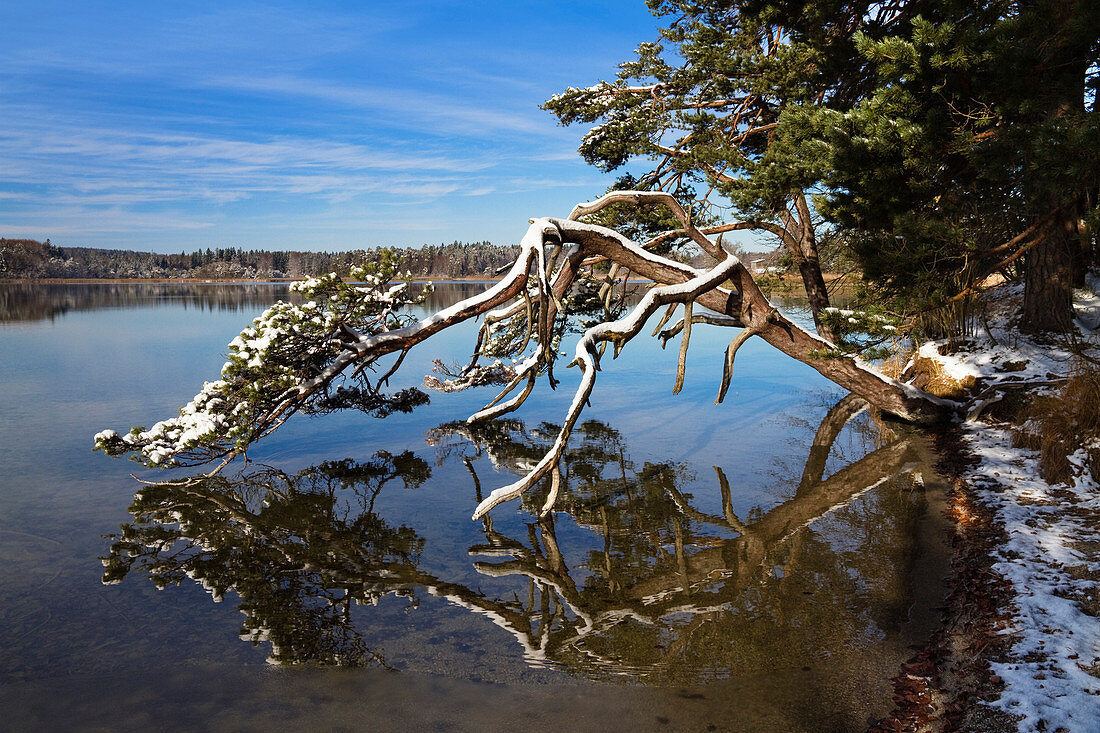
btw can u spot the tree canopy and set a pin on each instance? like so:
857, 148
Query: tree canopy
941, 141
976, 150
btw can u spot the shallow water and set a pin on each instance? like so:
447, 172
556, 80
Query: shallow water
764, 564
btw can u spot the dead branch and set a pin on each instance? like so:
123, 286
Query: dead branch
651, 197
619, 333
530, 299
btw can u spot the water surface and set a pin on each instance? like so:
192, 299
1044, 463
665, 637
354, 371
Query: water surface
763, 564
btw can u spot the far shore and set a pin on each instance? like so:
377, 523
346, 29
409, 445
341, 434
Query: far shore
787, 279
214, 281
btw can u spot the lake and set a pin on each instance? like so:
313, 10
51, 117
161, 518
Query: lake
764, 564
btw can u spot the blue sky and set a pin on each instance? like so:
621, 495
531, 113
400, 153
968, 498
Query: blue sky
178, 126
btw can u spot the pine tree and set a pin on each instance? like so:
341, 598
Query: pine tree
705, 110
942, 140
975, 151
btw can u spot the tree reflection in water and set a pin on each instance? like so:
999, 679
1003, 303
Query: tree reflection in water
666, 593
298, 549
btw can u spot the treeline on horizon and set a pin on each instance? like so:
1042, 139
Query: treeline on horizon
27, 258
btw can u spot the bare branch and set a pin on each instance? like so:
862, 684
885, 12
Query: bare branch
681, 364
650, 197
727, 366
711, 319
664, 319
621, 330
552, 497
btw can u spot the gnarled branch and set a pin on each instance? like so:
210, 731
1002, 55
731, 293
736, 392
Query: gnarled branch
551, 259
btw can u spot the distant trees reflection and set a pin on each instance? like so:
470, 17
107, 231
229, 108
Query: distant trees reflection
661, 590
35, 301
38, 301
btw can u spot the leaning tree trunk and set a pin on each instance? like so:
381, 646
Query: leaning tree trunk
749, 307
817, 293
803, 246
528, 299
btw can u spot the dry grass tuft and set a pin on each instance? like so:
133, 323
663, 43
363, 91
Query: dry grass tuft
894, 365
1058, 425
927, 374
931, 377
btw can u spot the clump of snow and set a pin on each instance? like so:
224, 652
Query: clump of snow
953, 366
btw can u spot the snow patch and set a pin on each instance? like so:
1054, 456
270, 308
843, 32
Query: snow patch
1052, 674
1052, 678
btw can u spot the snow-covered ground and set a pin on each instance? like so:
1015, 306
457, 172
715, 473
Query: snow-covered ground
1051, 555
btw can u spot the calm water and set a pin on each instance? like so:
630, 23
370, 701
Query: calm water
708, 565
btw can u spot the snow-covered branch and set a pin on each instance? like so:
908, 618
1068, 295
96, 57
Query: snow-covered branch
320, 355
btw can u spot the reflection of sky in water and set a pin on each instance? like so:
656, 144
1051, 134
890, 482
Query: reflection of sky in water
136, 362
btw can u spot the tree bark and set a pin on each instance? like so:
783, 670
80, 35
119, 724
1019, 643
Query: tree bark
1056, 54
1048, 284
809, 266
817, 293
800, 240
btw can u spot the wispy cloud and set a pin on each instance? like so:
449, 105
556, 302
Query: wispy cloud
423, 110
253, 116
109, 165
81, 221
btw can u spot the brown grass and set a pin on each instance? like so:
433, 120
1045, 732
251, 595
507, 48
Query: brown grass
932, 378
927, 374
894, 365
1058, 425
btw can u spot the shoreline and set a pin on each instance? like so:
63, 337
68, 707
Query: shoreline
1019, 648
948, 683
783, 281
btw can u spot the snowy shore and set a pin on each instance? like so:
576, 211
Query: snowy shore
1050, 553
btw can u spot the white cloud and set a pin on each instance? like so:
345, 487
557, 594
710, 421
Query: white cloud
100, 165
419, 110
83, 222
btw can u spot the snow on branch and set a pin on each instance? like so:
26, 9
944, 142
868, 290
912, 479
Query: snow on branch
618, 333
267, 363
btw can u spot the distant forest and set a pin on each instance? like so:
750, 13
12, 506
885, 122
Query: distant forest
27, 258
